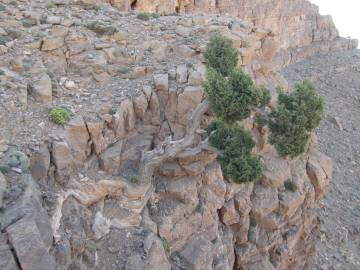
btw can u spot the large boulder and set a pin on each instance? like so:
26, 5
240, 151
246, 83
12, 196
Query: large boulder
41, 88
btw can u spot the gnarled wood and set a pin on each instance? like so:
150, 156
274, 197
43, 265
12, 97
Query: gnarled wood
134, 197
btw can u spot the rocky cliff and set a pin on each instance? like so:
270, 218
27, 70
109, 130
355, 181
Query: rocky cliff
297, 26
130, 182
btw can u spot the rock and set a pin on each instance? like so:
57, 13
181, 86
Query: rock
263, 264
3, 185
7, 260
265, 202
40, 163
336, 121
77, 137
132, 248
276, 171
52, 43
228, 213
197, 74
18, 159
124, 119
183, 31
53, 20
188, 100
244, 253
242, 199
61, 155
28, 207
110, 159
182, 74
197, 254
140, 105
25, 237
96, 130
161, 82
41, 89
290, 202
3, 49
101, 226
319, 168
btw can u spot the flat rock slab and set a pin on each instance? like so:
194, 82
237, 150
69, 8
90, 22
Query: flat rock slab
30, 250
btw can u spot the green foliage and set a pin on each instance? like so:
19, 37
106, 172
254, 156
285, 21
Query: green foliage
232, 98
112, 110
165, 244
221, 55
155, 15
124, 70
290, 185
297, 115
19, 160
29, 22
253, 222
260, 120
264, 96
2, 72
135, 179
50, 5
4, 168
143, 16
59, 115
102, 29
4, 39
236, 161
2, 7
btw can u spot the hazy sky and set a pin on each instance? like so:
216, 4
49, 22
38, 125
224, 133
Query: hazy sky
345, 14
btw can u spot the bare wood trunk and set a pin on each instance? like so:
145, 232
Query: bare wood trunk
134, 197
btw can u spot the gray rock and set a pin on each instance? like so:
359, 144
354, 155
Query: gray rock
197, 254
3, 185
40, 163
41, 89
30, 250
29, 207
7, 261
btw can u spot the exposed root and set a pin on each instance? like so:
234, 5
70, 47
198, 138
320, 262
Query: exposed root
134, 197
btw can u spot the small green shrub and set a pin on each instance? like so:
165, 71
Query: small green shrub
4, 168
29, 22
135, 179
4, 40
50, 5
13, 3
220, 54
155, 15
2, 72
2, 7
101, 28
19, 160
253, 222
124, 70
260, 121
291, 123
165, 244
112, 110
143, 16
236, 161
290, 185
59, 116
232, 98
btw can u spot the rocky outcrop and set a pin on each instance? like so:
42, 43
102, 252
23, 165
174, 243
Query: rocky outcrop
297, 28
132, 106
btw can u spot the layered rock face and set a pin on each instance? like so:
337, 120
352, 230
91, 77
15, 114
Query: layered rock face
132, 88
297, 26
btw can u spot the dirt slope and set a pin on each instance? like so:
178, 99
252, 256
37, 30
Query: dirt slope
337, 78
